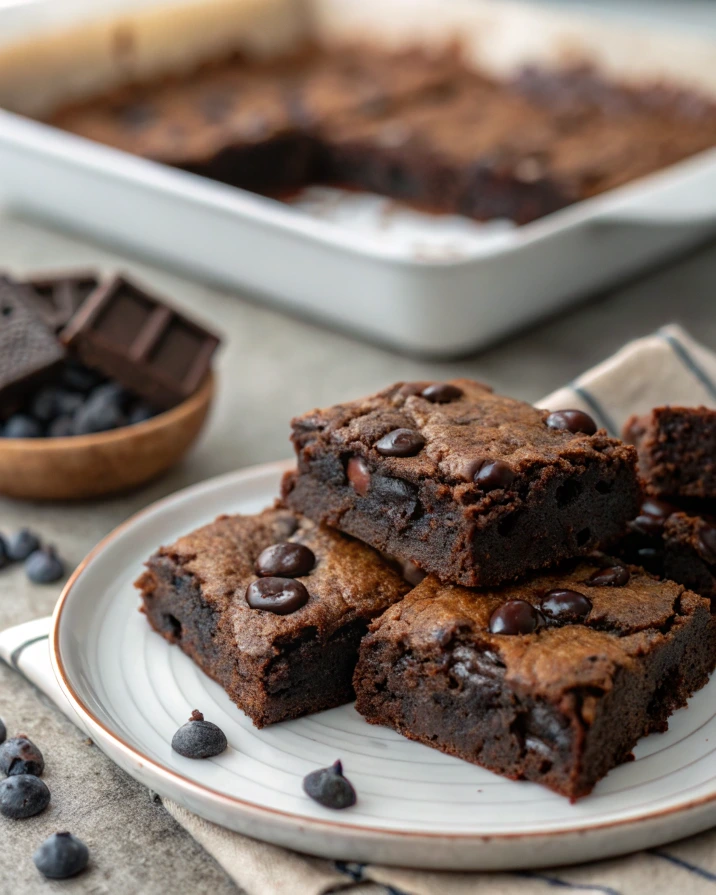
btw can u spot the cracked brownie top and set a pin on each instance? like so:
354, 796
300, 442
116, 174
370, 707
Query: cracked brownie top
549, 634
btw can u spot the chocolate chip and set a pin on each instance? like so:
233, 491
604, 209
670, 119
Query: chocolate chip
281, 596
516, 617
573, 421
652, 517
400, 443
495, 474
286, 560
565, 606
329, 787
358, 475
707, 540
442, 393
611, 576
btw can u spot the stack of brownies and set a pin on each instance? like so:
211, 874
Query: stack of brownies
435, 554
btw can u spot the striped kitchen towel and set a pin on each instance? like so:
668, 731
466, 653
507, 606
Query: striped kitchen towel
665, 368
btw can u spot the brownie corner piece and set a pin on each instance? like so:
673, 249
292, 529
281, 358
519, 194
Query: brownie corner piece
677, 451
271, 606
551, 680
471, 486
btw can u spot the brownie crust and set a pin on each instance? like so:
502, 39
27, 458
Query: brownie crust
570, 493
560, 706
677, 451
274, 667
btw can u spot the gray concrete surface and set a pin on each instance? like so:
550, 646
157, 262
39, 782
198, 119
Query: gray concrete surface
270, 368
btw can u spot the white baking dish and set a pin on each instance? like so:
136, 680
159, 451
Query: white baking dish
432, 285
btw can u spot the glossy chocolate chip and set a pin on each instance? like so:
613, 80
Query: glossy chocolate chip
285, 560
442, 393
281, 596
565, 606
652, 516
400, 443
573, 421
707, 541
358, 475
495, 474
611, 576
515, 617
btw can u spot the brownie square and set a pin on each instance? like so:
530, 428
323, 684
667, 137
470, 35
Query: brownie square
677, 544
273, 666
597, 667
677, 451
471, 486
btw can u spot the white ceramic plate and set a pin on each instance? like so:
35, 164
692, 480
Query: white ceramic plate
416, 806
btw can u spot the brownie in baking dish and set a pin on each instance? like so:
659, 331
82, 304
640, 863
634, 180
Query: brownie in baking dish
551, 680
312, 594
677, 451
416, 125
673, 543
471, 486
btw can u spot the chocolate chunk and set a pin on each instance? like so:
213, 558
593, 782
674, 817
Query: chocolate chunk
441, 393
612, 576
29, 351
400, 443
140, 341
58, 297
565, 606
281, 596
516, 617
653, 515
495, 474
358, 475
285, 560
707, 541
573, 421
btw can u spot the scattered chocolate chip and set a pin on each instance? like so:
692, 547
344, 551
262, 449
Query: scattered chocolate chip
611, 576
3, 731
400, 443
358, 475
281, 596
285, 560
495, 474
61, 427
23, 795
199, 738
329, 787
707, 540
61, 856
442, 393
516, 617
565, 606
44, 566
21, 544
140, 413
659, 509
21, 756
573, 421
4, 558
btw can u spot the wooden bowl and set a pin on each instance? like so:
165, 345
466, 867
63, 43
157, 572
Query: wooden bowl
85, 466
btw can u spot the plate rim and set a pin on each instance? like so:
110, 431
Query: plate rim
309, 824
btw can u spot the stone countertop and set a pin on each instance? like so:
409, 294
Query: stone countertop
271, 367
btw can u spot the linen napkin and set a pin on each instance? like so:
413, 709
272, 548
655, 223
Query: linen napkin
667, 367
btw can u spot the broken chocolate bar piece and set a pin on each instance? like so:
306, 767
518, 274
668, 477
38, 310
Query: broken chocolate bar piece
59, 296
29, 351
140, 341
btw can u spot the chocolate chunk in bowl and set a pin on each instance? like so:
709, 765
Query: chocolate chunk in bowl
142, 342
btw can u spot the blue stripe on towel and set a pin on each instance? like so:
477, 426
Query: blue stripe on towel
688, 361
603, 419
558, 883
684, 865
355, 872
